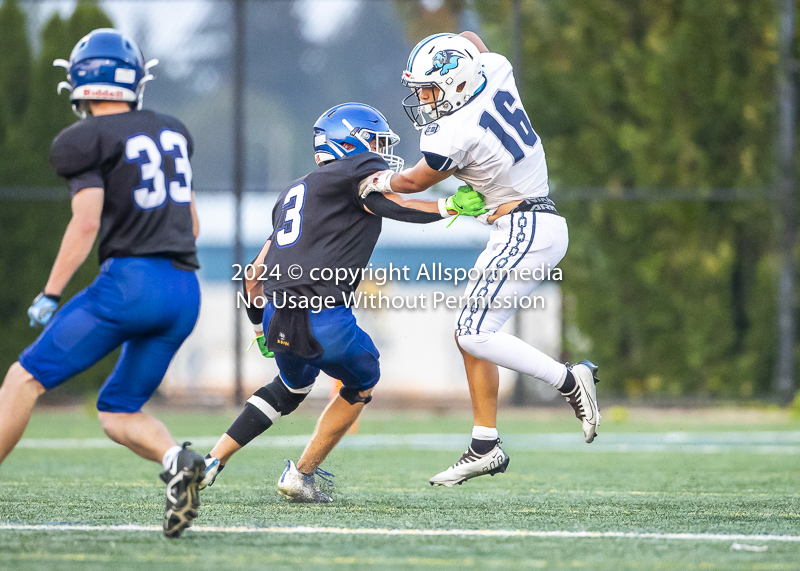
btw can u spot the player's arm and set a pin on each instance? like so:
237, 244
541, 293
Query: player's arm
409, 181
195, 219
418, 178
475, 39
466, 201
251, 284
87, 206
396, 207
254, 314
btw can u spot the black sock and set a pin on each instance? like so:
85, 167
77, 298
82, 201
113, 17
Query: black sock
482, 447
569, 384
251, 423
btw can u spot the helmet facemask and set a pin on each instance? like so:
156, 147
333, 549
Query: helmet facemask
423, 112
384, 144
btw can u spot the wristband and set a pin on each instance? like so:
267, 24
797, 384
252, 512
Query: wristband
443, 209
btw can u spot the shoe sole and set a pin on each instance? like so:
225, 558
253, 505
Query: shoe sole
184, 516
298, 499
498, 470
589, 389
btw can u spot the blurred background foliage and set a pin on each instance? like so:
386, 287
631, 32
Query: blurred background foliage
673, 297
31, 114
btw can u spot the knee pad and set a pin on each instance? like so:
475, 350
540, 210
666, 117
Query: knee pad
276, 399
352, 396
473, 344
267, 404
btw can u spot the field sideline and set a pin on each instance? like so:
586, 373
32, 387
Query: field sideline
704, 489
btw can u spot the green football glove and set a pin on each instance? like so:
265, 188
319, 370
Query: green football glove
466, 201
262, 346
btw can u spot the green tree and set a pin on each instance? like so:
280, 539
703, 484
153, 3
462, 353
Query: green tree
671, 297
50, 112
31, 230
674, 297
15, 71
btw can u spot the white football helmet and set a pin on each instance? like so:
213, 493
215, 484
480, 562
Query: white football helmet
449, 63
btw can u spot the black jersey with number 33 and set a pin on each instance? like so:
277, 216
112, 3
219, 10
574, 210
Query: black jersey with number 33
319, 222
141, 161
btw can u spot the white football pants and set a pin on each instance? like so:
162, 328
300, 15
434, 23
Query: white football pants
519, 241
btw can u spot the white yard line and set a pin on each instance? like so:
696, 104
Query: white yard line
774, 442
414, 532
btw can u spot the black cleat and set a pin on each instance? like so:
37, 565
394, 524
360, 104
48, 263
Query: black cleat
182, 482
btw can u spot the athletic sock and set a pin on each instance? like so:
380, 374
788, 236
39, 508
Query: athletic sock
483, 439
513, 353
170, 459
568, 385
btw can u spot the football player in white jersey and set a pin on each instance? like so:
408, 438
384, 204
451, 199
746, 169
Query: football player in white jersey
465, 102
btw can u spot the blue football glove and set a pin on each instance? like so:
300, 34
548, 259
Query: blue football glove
43, 308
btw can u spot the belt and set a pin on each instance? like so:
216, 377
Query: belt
541, 204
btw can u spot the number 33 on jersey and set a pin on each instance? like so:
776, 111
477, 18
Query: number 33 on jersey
142, 149
141, 161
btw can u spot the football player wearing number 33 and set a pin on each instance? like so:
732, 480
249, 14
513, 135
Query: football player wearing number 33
131, 182
474, 127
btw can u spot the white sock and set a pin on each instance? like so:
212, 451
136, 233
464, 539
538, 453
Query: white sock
170, 460
484, 433
513, 353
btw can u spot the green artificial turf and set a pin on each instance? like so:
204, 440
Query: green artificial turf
680, 491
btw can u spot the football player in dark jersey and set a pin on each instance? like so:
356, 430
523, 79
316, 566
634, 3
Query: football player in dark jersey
319, 222
131, 182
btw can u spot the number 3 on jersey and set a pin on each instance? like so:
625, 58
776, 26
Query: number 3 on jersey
142, 149
516, 119
292, 226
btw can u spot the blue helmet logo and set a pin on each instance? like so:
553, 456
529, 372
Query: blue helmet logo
444, 61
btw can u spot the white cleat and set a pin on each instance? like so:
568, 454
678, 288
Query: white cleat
472, 465
300, 487
583, 397
212, 469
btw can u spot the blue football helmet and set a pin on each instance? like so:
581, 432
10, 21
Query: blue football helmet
105, 65
349, 129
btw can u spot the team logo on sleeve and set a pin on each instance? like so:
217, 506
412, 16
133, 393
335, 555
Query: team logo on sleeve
431, 129
444, 61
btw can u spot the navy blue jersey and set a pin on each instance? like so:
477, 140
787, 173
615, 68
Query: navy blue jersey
141, 161
319, 222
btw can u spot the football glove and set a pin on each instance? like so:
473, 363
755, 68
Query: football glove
262, 346
43, 308
378, 182
465, 201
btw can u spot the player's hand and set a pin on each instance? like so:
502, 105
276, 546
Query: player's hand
466, 201
378, 182
262, 345
43, 308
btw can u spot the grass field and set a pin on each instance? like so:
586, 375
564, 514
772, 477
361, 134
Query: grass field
711, 475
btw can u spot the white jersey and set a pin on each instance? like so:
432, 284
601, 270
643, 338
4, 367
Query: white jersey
490, 141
